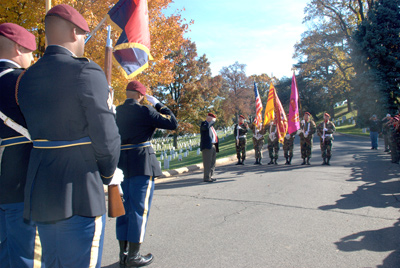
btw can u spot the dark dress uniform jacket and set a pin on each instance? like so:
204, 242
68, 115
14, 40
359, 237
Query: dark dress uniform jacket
206, 136
64, 98
137, 124
14, 162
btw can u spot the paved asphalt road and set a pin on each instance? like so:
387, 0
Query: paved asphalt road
343, 215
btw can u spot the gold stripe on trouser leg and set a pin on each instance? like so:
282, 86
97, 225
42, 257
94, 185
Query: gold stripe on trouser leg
94, 252
37, 251
146, 209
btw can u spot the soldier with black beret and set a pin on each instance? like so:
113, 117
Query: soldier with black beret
67, 106
17, 238
137, 124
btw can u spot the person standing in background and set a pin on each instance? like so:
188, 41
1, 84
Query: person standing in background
258, 142
325, 132
374, 129
307, 130
386, 131
239, 131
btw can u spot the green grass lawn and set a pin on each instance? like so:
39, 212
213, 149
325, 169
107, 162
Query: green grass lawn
347, 127
226, 148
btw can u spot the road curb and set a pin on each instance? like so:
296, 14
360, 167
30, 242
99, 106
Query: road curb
183, 170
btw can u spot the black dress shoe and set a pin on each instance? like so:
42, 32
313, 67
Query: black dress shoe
208, 180
135, 259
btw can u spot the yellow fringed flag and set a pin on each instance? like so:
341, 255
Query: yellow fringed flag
270, 107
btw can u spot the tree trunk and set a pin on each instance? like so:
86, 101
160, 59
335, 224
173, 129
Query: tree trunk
349, 106
175, 141
332, 111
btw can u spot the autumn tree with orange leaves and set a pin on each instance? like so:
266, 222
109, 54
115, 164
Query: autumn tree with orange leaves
191, 94
237, 92
166, 35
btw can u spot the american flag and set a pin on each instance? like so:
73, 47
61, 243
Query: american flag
259, 107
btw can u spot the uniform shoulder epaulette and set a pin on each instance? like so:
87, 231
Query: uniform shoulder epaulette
81, 58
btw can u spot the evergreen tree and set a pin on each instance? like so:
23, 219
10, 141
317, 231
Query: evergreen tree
376, 57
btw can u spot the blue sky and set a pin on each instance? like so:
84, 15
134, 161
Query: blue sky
258, 33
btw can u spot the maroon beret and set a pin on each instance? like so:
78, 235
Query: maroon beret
326, 114
307, 113
136, 86
241, 116
19, 35
212, 115
70, 14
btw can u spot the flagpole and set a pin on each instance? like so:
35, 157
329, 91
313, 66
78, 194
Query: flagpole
95, 29
48, 7
108, 58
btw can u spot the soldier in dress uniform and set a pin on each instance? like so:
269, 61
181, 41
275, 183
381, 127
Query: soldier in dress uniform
239, 131
17, 238
137, 124
273, 143
325, 132
288, 144
64, 98
258, 141
307, 127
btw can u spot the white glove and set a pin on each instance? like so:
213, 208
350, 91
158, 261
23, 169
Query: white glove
117, 178
152, 100
287, 136
306, 134
299, 131
214, 119
303, 121
114, 109
325, 129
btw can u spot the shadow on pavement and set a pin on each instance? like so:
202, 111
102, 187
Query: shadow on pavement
381, 240
380, 189
114, 265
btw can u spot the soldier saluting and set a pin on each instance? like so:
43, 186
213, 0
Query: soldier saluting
325, 132
307, 130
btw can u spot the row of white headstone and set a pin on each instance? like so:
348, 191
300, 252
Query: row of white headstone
167, 158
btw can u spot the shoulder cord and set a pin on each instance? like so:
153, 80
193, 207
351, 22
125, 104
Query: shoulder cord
17, 86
